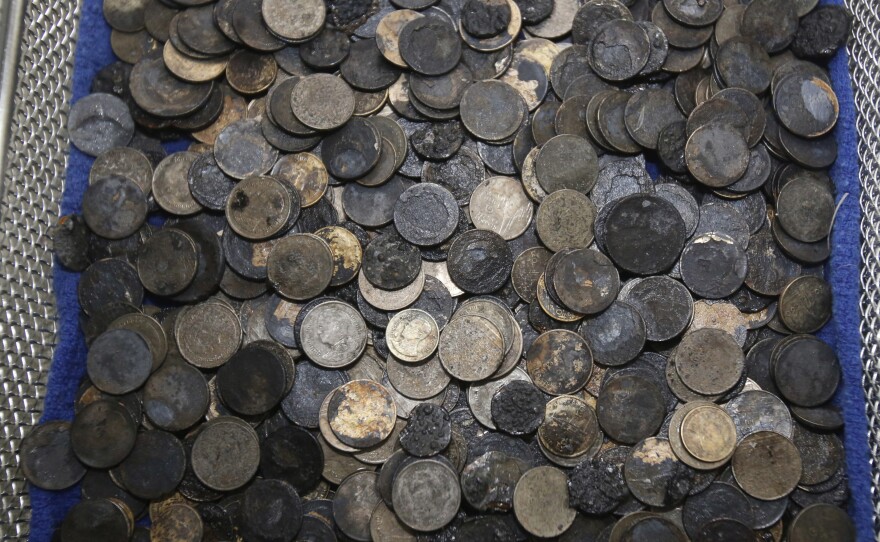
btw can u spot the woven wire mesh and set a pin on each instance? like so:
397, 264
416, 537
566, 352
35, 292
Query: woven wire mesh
31, 196
29, 205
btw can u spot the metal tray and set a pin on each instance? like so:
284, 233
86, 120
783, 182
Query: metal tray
37, 41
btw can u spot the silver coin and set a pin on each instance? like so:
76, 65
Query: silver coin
333, 334
391, 300
754, 411
540, 502
426, 494
170, 185
500, 204
208, 334
124, 162
471, 348
412, 335
421, 380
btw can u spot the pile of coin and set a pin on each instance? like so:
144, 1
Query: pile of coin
455, 270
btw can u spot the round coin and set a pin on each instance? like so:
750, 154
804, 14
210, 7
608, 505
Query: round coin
766, 465
412, 335
541, 504
361, 413
559, 362
426, 494
333, 334
471, 348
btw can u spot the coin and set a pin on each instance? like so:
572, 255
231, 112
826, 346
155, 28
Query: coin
119, 361
361, 413
709, 361
615, 401
106, 517
616, 335
559, 362
254, 379
225, 454
492, 110
518, 408
384, 525
802, 383
99, 122
48, 458
390, 262
295, 257
176, 396
366, 69
426, 494
655, 475
556, 223
391, 300
471, 348
766, 465
412, 335
709, 434
713, 265
479, 261
208, 334
428, 431
759, 410
333, 334
540, 502
499, 204
114, 207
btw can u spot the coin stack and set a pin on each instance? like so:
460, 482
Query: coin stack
455, 270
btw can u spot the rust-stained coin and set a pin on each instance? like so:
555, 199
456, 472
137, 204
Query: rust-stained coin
471, 348
709, 434
347, 253
559, 362
412, 335
766, 465
361, 413
306, 172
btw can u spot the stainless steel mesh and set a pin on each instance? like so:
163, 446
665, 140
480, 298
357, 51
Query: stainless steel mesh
30, 197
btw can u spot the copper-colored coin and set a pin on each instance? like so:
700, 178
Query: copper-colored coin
471, 348
250, 72
234, 109
708, 433
306, 172
412, 335
767, 465
550, 306
559, 362
362, 413
570, 427
675, 439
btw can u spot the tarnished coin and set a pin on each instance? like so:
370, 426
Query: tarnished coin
541, 503
479, 261
177, 521
479, 396
412, 335
119, 361
499, 204
616, 335
492, 110
255, 378
805, 304
518, 408
114, 207
208, 334
322, 101
384, 525
430, 46
709, 434
103, 517
300, 266
155, 89
388, 34
597, 486
654, 474
805, 209
333, 334
419, 381
155, 465
570, 427
390, 262
766, 465
824, 520
759, 410
567, 162
123, 162
713, 265
270, 510
361, 413
565, 220
294, 20
306, 172
294, 455
644, 234
586, 281
391, 300
347, 253
426, 214
527, 268
352, 151
559, 362
471, 348
709, 361
617, 398
488, 482
48, 458
150, 331
225, 454
806, 370
426, 494
99, 122
717, 155
176, 396
242, 151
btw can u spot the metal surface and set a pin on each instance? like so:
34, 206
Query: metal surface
36, 156
30, 195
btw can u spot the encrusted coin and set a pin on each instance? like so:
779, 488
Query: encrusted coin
559, 362
655, 475
322, 101
208, 334
426, 214
565, 220
428, 431
300, 266
390, 262
471, 348
518, 408
99, 122
479, 261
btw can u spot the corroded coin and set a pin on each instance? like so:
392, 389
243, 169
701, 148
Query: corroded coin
419, 381
805, 304
347, 253
103, 516
47, 455
565, 220
541, 504
361, 413
426, 494
479, 261
412, 335
294, 20
427, 432
99, 122
570, 427
709, 434
518, 408
322, 101
644, 234
155, 465
390, 262
333, 334
114, 207
616, 335
119, 361
492, 110
616, 400
306, 173
499, 204
655, 475
559, 362
208, 334
709, 361
426, 214
585, 281
388, 34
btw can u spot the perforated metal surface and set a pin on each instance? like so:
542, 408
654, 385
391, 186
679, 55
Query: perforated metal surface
31, 194
30, 201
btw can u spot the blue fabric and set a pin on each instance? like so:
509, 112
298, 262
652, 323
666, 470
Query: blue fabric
93, 52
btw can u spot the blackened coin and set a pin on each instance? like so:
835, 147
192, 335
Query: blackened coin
99, 122
293, 455
437, 140
124, 162
271, 511
718, 501
717, 155
209, 185
644, 234
518, 408
485, 18
430, 46
176, 396
108, 281
119, 361
426, 214
353, 504
70, 240
326, 50
619, 50
428, 431
805, 304
353, 151
806, 370
155, 89
47, 456
805, 104
479, 261
208, 334
821, 33
102, 434
225, 454
527, 268
648, 113
366, 69
618, 398
597, 486
488, 482
167, 262
823, 418
253, 381
654, 474
616, 335
97, 519
441, 91
805, 209
390, 262
825, 520
155, 465
713, 265
114, 207
300, 266
567, 162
